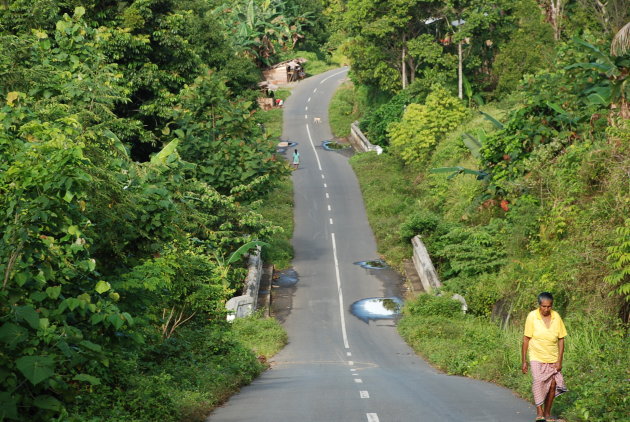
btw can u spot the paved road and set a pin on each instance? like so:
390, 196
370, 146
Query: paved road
337, 367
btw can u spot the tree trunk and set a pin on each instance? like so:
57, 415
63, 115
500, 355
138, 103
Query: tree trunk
460, 71
404, 63
557, 9
412, 69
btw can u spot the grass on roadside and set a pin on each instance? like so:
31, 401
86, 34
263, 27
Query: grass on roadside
277, 207
477, 347
187, 376
345, 107
389, 199
264, 336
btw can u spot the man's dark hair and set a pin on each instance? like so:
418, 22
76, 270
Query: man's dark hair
545, 296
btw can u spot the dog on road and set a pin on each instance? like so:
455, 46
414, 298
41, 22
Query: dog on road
317, 119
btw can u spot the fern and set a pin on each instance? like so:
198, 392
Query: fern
619, 257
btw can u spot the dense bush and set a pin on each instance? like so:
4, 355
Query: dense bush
433, 306
111, 266
376, 122
529, 49
424, 125
421, 223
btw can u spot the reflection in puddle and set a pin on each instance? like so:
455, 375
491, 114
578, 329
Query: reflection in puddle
377, 308
334, 146
375, 264
286, 278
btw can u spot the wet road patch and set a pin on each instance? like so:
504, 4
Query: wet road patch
377, 308
286, 278
282, 147
334, 146
375, 264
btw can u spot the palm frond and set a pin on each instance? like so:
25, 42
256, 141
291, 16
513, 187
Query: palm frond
621, 42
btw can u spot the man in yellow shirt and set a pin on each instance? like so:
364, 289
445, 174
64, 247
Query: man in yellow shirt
543, 338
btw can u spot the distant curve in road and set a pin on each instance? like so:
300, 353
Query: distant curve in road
337, 367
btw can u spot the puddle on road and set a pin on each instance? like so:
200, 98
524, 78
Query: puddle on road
334, 146
286, 278
375, 264
282, 146
283, 288
376, 308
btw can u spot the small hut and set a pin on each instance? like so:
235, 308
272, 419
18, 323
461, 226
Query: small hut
285, 72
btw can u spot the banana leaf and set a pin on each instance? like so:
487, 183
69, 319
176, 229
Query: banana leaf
494, 121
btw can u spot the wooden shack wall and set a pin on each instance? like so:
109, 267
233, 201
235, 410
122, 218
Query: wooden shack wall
276, 76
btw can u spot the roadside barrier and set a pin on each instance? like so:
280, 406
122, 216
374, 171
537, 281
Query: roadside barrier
424, 265
244, 305
360, 142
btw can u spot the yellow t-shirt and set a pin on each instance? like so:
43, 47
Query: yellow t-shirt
543, 343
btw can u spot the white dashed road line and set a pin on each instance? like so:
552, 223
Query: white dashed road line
341, 307
363, 394
332, 76
310, 138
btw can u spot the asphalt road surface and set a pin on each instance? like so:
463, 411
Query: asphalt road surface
337, 366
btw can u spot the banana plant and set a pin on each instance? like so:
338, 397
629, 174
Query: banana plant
475, 143
470, 94
610, 88
224, 264
492, 120
261, 28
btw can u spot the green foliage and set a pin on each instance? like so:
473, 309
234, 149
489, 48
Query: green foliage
377, 120
345, 108
465, 346
182, 378
479, 348
548, 215
107, 264
264, 336
529, 49
470, 251
423, 126
389, 198
277, 207
422, 223
261, 29
433, 306
619, 258
602, 78
223, 139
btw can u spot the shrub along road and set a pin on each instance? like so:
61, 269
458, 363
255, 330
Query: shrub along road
338, 367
